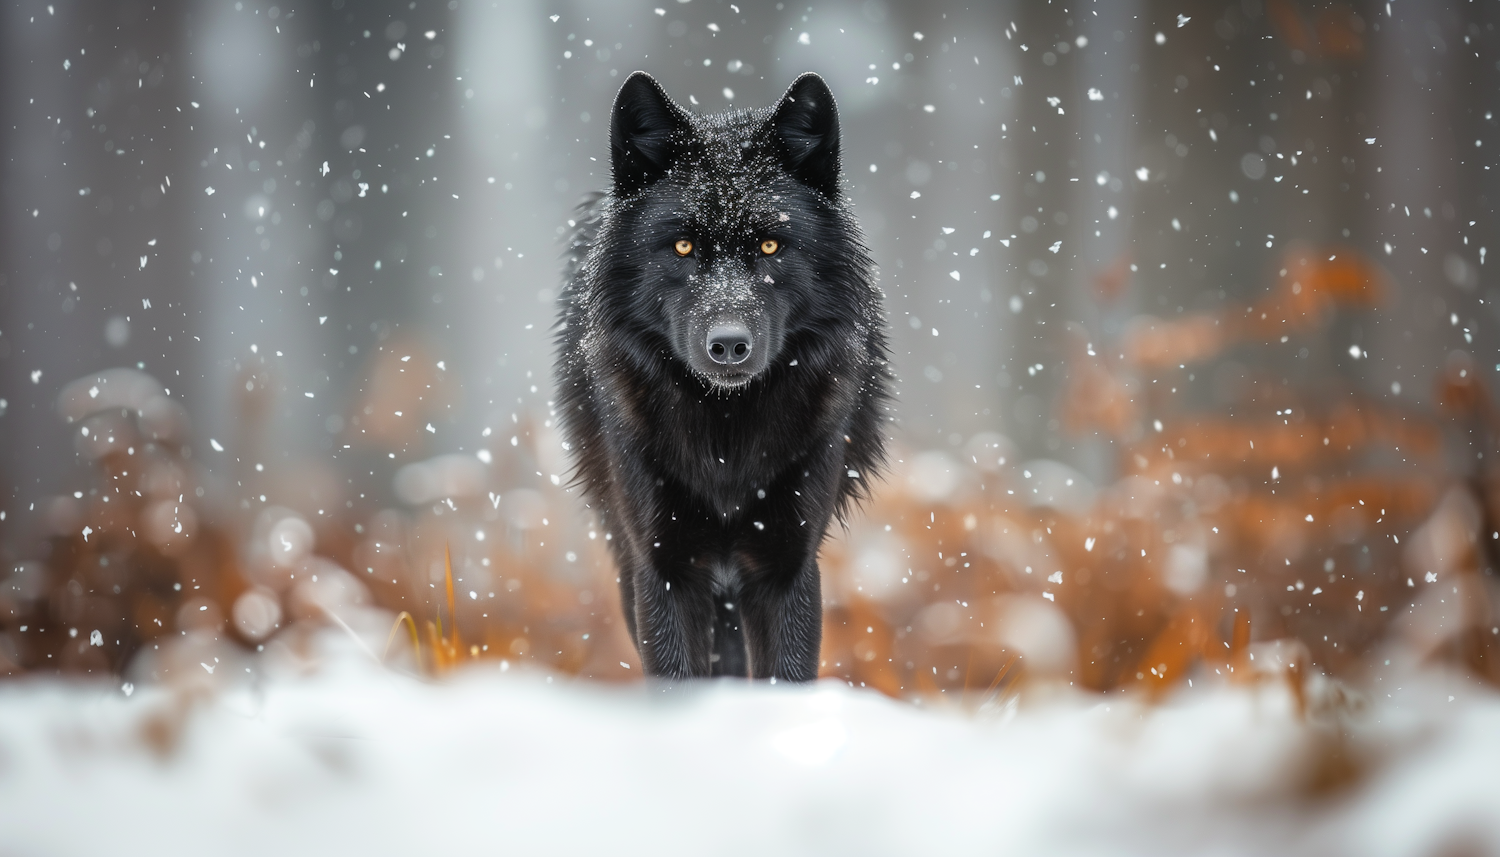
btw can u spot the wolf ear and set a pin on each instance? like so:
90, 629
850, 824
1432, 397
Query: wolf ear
642, 126
807, 125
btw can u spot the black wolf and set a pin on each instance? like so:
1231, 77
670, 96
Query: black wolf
722, 375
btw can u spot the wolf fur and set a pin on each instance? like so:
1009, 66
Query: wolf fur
716, 473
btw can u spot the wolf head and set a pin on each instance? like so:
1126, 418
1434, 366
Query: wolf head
729, 245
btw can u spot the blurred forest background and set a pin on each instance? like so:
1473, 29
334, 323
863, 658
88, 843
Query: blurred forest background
1190, 305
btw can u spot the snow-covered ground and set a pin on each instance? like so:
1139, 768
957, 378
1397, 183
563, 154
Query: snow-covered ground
349, 758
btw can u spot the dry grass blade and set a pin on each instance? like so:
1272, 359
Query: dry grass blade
338, 620
1000, 676
441, 657
411, 627
447, 648
454, 646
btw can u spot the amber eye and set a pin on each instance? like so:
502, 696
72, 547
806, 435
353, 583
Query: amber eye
683, 246
770, 246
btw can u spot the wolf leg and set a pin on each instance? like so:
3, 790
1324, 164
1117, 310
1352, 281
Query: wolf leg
627, 600
777, 551
783, 622
674, 620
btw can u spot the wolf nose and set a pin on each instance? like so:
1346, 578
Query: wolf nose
728, 344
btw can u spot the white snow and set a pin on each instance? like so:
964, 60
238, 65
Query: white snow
338, 756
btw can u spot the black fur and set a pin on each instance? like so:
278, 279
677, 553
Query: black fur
715, 483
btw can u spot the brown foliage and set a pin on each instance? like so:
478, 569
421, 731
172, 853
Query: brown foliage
1310, 285
1225, 548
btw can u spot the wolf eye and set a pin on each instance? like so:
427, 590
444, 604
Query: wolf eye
769, 246
683, 246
